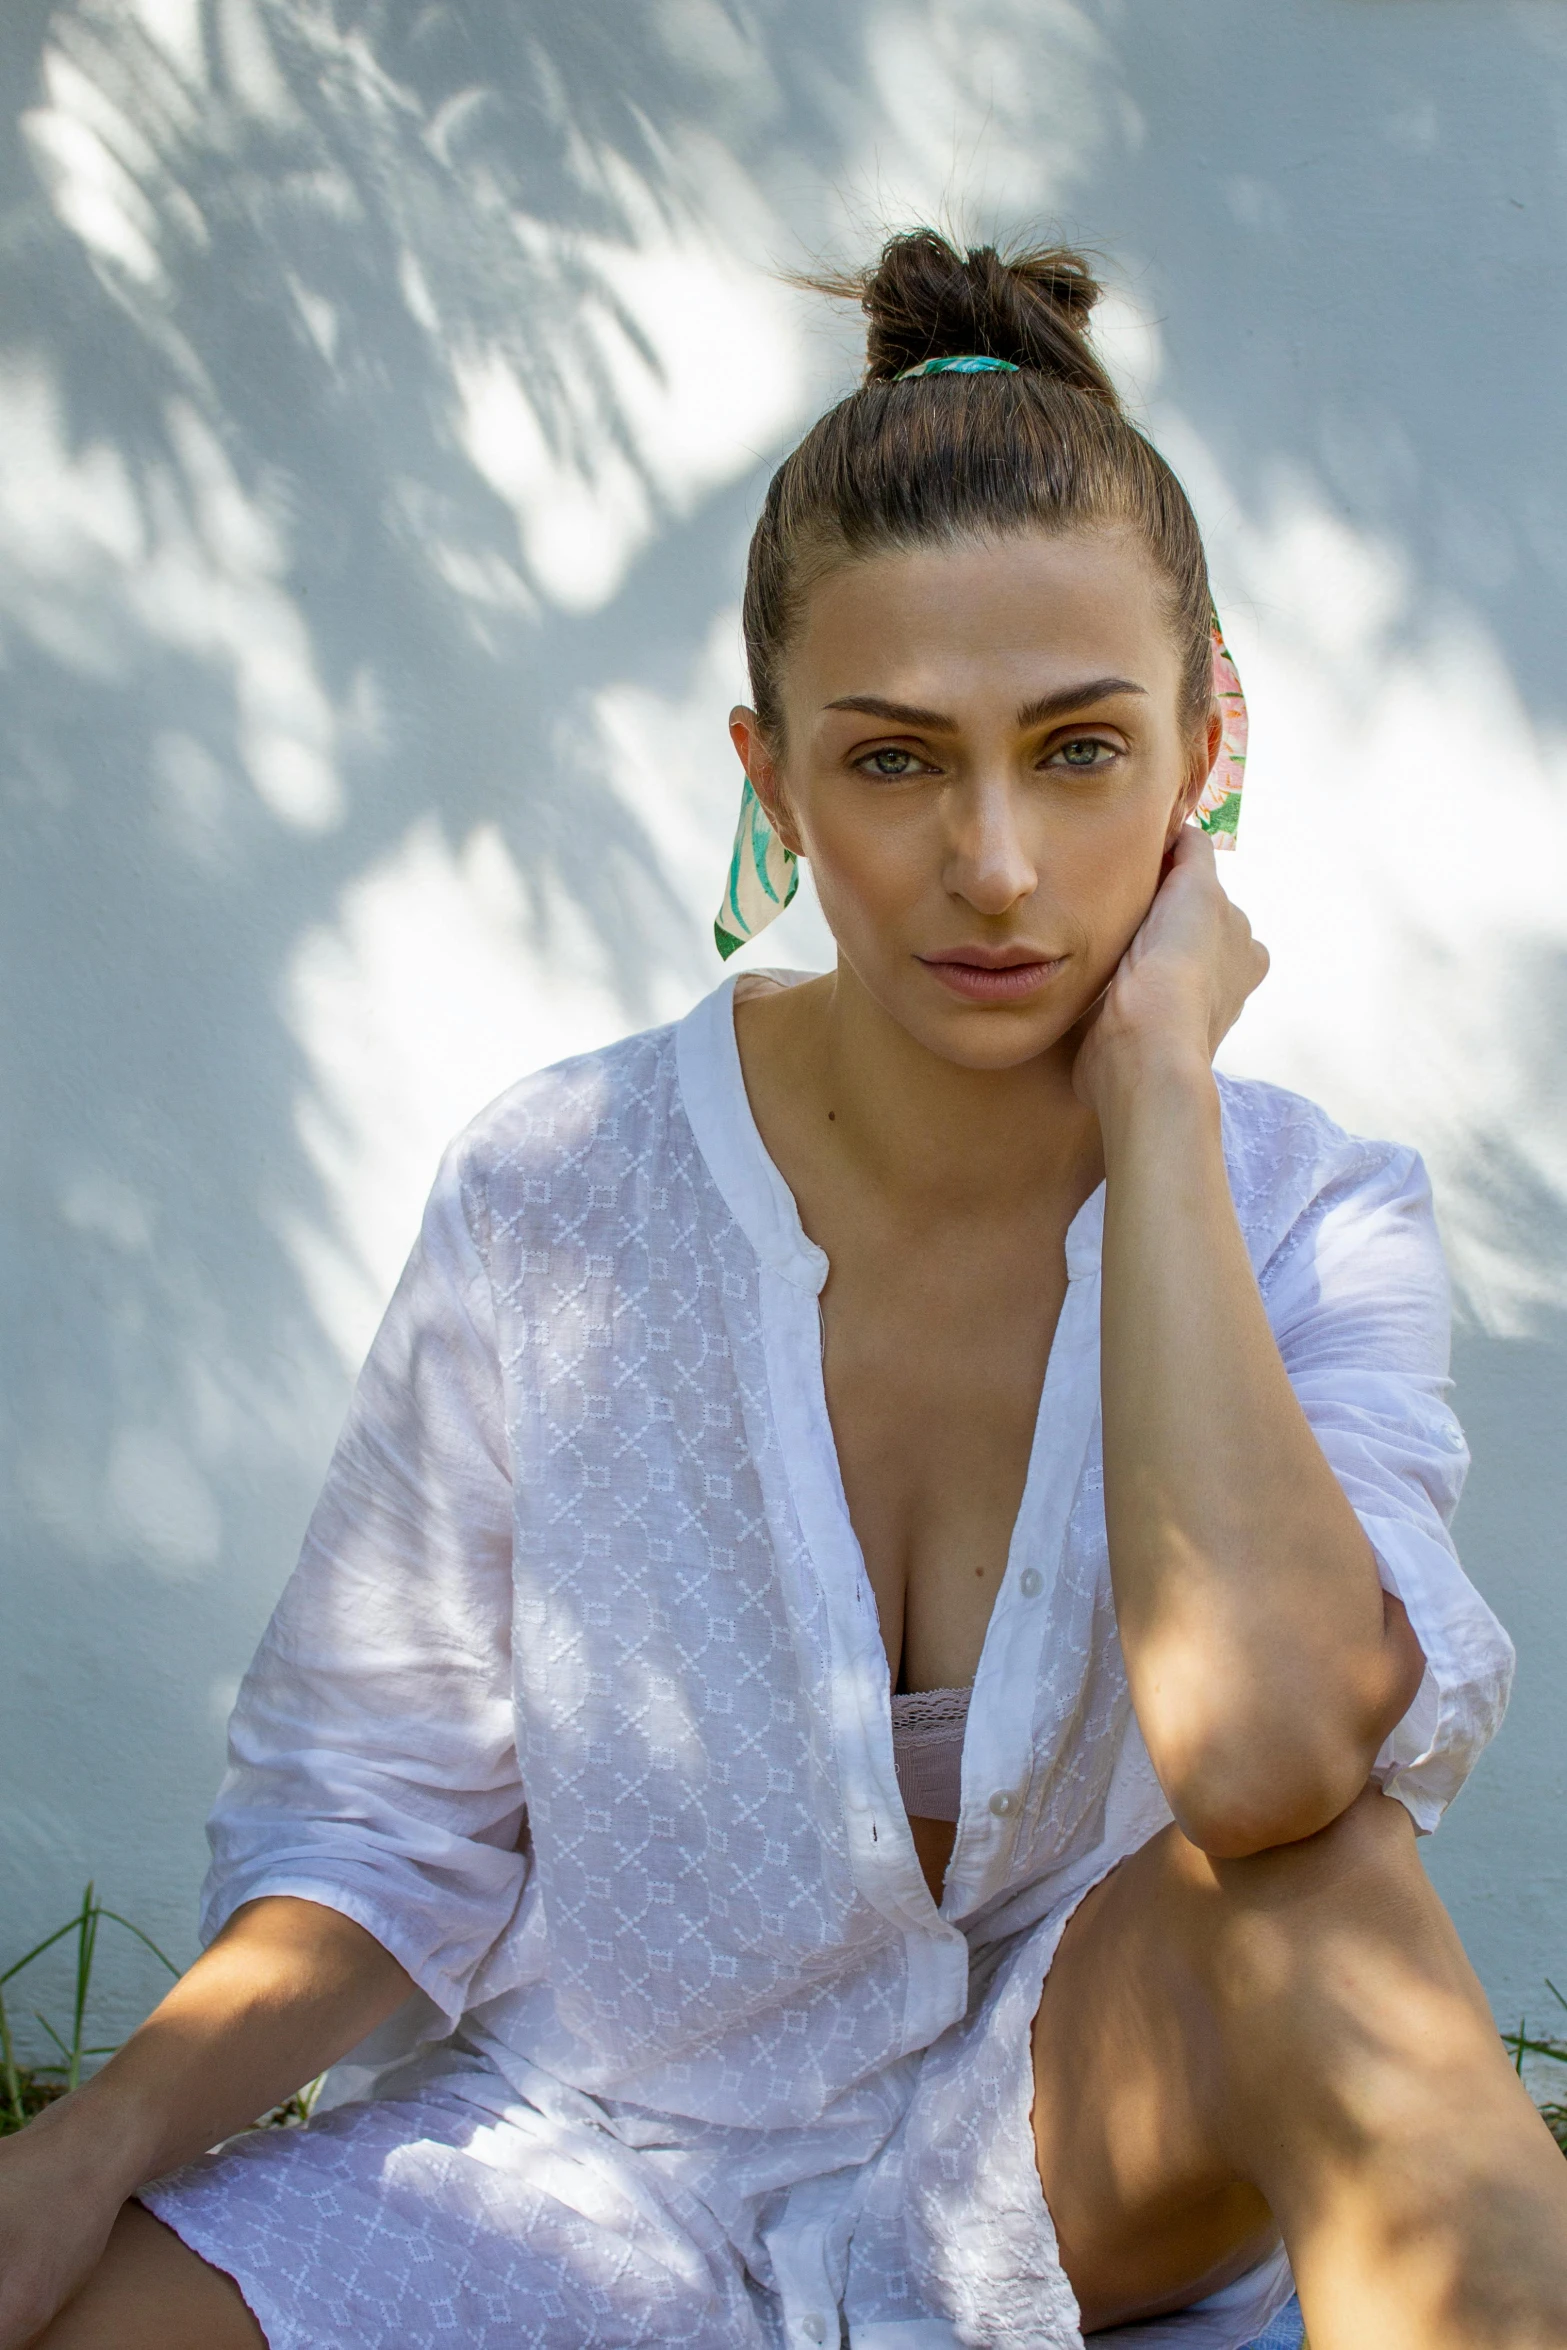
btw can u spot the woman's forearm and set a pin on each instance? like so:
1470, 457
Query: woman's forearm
286, 1988
1264, 1664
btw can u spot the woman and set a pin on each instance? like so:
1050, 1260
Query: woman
746, 2021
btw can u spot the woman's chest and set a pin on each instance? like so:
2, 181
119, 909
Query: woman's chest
933, 1366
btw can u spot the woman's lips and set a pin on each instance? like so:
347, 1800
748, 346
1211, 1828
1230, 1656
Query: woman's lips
985, 982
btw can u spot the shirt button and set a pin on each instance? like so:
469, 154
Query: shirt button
1001, 1803
813, 2327
1031, 1582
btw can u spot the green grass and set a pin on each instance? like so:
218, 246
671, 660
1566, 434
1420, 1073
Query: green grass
1523, 2044
27, 2089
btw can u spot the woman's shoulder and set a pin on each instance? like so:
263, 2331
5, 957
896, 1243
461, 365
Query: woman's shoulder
1289, 1161
580, 1116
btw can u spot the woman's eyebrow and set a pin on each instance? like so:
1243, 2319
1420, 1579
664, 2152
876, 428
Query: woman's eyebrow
1036, 713
1076, 697
897, 713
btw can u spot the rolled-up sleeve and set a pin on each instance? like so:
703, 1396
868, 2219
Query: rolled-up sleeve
372, 1750
1359, 1302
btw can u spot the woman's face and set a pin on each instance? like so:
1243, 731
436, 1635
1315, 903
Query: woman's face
984, 762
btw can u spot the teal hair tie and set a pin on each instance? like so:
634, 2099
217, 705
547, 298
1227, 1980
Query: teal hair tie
973, 365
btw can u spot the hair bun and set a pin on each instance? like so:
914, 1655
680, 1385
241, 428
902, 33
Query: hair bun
925, 300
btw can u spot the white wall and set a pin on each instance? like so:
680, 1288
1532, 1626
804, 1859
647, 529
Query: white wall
385, 393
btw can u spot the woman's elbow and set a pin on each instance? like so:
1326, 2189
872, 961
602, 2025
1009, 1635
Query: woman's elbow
1244, 1769
1236, 1793
1230, 1822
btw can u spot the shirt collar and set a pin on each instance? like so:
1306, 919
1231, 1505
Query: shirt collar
712, 1089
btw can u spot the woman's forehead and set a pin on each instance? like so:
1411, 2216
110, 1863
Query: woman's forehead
1021, 617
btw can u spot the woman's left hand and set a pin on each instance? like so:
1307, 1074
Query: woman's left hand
1181, 984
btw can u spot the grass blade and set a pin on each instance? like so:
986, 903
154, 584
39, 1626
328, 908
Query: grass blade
141, 1937
39, 1948
86, 1944
8, 2071
39, 2018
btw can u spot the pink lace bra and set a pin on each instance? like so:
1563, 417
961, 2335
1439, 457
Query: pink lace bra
927, 1751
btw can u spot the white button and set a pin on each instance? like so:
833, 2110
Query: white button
813, 2327
1001, 1803
1031, 1582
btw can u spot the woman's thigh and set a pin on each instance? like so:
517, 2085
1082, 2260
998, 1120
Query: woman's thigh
1149, 2210
151, 2292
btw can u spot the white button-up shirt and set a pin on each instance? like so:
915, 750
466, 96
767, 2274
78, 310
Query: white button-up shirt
578, 1699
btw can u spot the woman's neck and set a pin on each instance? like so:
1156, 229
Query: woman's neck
837, 1085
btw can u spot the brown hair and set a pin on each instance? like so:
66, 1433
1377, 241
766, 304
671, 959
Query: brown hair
899, 464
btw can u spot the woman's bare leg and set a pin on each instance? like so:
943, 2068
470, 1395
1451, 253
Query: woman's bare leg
1296, 2034
151, 2292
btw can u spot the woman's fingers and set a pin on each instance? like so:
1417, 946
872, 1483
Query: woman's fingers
1184, 979
1194, 944
1193, 916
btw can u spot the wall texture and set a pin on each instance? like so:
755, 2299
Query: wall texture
385, 391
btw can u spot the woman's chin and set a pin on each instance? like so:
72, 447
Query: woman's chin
987, 1036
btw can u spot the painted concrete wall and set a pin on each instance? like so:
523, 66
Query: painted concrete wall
385, 394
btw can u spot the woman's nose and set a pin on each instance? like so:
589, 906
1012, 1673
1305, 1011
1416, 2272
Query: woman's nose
989, 864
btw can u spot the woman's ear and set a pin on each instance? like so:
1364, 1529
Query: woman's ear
745, 733
1206, 744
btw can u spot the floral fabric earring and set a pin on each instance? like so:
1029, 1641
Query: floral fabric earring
764, 875
1219, 809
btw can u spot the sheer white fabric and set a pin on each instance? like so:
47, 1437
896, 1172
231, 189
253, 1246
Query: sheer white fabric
578, 1703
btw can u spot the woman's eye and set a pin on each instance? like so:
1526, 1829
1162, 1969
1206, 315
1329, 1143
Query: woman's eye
1086, 750
891, 764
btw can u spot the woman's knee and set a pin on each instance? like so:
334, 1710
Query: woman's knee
1320, 1944
1373, 1841
1362, 1867
151, 2292
1228, 1979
